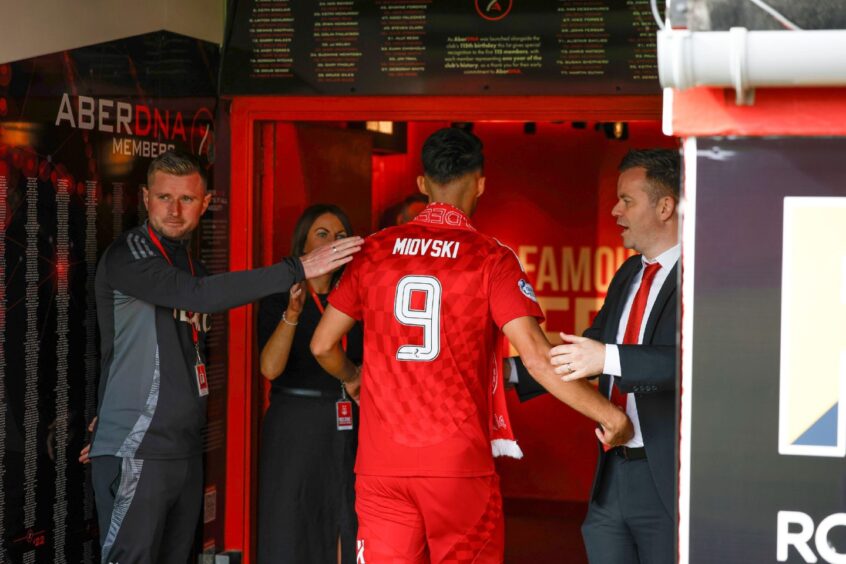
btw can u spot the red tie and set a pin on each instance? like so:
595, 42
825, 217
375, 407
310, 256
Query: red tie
632, 334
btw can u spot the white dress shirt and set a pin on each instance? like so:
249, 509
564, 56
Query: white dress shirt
668, 259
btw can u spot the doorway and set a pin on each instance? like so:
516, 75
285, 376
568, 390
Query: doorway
551, 177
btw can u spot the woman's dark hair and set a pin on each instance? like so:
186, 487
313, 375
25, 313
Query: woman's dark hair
305, 222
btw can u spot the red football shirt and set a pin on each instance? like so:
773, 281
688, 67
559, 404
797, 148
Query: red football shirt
432, 295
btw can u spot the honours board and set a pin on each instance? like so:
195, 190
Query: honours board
440, 47
77, 132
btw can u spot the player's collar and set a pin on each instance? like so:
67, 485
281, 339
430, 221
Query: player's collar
447, 215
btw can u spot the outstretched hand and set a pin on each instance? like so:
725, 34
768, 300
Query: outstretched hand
578, 357
329, 258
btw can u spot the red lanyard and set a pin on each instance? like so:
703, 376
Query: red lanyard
155, 238
161, 248
320, 309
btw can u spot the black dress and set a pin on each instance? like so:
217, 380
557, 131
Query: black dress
306, 497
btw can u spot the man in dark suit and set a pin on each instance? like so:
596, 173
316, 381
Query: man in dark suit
632, 346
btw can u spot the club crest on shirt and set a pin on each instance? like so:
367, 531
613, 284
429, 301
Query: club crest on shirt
527, 289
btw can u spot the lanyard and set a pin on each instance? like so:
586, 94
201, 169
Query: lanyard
161, 248
195, 337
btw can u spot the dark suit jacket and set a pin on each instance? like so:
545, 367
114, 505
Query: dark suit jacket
649, 371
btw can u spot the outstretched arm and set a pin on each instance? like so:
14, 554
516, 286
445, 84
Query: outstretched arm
330, 258
641, 368
529, 340
145, 274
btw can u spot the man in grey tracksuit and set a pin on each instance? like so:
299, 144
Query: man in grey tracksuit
153, 302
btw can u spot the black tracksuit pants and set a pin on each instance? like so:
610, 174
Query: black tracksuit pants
148, 510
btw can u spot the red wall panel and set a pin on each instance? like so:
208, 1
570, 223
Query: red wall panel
708, 112
391, 184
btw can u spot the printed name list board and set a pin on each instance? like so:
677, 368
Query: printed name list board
347, 47
78, 130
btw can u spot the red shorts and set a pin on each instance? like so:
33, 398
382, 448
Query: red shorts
423, 519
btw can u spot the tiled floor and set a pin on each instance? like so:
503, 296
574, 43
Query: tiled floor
543, 532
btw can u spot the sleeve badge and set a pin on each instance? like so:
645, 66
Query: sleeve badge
527, 289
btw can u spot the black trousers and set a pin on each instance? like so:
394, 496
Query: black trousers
306, 498
627, 523
148, 510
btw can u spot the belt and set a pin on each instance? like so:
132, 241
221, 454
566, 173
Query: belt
630, 453
304, 392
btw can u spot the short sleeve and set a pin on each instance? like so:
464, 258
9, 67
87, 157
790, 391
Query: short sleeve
512, 295
270, 313
346, 296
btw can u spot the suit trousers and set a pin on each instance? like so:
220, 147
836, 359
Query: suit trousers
626, 522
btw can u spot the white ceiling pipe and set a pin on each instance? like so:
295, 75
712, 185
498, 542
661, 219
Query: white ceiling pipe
744, 60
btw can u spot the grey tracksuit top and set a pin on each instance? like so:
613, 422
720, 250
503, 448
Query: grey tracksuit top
149, 404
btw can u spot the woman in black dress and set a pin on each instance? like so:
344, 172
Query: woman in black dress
306, 507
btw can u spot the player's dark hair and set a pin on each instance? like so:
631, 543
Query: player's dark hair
307, 219
175, 163
663, 170
451, 153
